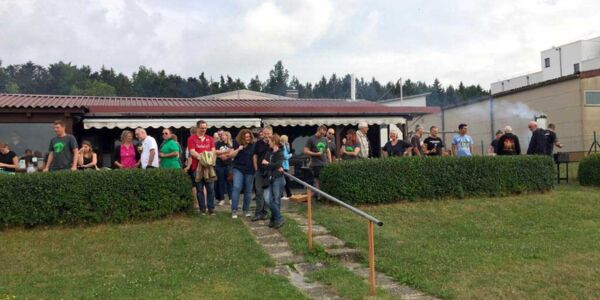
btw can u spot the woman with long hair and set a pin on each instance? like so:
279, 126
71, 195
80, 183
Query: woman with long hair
273, 181
243, 171
125, 155
87, 159
223, 167
351, 148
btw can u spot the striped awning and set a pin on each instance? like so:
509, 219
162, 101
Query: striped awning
332, 121
167, 123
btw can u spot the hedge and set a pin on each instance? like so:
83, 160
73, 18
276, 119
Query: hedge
92, 196
410, 178
589, 170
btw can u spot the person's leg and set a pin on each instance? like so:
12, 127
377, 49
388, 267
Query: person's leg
228, 185
210, 196
219, 187
200, 196
238, 181
288, 190
278, 186
194, 190
260, 210
248, 185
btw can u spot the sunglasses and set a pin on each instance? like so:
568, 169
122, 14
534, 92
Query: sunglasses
165, 133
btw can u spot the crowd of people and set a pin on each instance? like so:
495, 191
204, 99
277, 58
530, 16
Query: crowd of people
239, 167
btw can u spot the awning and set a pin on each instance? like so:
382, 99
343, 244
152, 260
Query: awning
333, 121
165, 123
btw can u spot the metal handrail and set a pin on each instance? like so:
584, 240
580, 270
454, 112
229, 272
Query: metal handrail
336, 200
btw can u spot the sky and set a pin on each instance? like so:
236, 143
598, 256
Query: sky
477, 42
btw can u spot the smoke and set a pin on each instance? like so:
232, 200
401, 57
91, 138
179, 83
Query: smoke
508, 110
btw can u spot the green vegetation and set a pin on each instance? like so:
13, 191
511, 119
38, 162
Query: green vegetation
178, 257
589, 170
518, 247
411, 178
92, 197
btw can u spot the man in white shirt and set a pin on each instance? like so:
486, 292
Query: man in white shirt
149, 157
361, 134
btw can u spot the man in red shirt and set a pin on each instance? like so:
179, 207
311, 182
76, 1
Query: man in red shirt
198, 143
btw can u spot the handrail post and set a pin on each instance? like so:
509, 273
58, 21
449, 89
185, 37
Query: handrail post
372, 259
309, 219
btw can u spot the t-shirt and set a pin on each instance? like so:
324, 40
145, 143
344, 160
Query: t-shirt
260, 149
127, 156
243, 160
220, 146
332, 148
396, 150
62, 152
550, 140
462, 145
415, 141
350, 148
8, 159
434, 143
148, 144
317, 144
206, 143
494, 145
167, 147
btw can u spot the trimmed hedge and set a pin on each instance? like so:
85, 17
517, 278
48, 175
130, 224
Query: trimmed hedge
92, 196
589, 170
410, 178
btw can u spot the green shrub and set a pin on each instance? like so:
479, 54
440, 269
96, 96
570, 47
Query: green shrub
92, 196
411, 178
589, 170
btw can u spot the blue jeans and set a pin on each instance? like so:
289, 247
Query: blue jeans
260, 199
272, 196
241, 180
222, 183
210, 194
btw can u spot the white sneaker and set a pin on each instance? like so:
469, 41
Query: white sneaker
285, 198
248, 214
221, 202
234, 216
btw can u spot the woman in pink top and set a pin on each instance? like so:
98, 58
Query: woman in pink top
126, 156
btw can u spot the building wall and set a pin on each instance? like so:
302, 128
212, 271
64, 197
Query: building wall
591, 114
566, 55
560, 102
517, 82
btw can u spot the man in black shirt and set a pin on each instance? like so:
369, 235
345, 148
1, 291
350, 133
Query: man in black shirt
494, 143
551, 139
508, 144
260, 149
9, 161
433, 145
415, 141
537, 144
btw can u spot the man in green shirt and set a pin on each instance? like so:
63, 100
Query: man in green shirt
169, 151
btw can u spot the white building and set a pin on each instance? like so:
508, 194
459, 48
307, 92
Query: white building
557, 62
419, 100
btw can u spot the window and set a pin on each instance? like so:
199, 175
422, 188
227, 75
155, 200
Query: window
592, 97
547, 62
576, 68
21, 136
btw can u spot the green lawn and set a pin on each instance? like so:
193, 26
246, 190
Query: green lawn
527, 247
180, 257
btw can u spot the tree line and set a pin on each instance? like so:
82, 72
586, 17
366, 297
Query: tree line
67, 79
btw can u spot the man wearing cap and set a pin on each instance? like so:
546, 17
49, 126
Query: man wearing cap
462, 144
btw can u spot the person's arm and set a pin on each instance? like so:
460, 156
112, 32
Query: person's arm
424, 149
329, 155
517, 146
415, 148
384, 152
151, 157
75, 159
355, 153
14, 165
117, 157
453, 150
49, 162
408, 151
80, 161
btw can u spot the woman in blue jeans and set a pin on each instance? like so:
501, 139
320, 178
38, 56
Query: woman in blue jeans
243, 171
273, 180
223, 167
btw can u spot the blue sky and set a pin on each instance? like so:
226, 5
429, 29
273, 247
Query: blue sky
477, 42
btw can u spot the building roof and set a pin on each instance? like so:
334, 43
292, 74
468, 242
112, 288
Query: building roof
244, 94
405, 98
148, 106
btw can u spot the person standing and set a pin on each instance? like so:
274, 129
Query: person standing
169, 151
396, 147
363, 140
316, 149
331, 144
223, 167
126, 156
149, 156
415, 141
273, 166
260, 149
494, 144
537, 144
287, 155
243, 171
9, 161
63, 151
508, 143
462, 144
551, 139
88, 159
433, 145
198, 144
351, 147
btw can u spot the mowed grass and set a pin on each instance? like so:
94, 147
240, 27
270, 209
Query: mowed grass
521, 247
183, 257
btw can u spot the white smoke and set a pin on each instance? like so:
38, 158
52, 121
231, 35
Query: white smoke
508, 110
